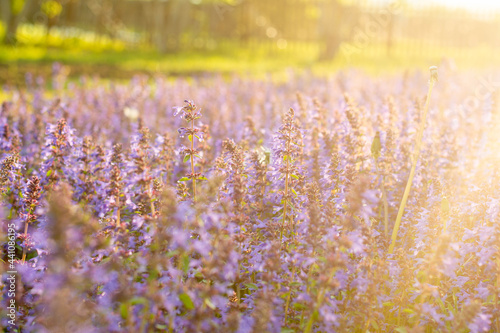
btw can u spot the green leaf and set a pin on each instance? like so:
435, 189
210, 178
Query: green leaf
190, 137
445, 205
376, 146
441, 304
124, 310
48, 173
186, 300
202, 178
251, 286
153, 274
187, 157
173, 253
295, 176
184, 179
138, 300
32, 254
268, 157
299, 306
185, 263
388, 304
408, 311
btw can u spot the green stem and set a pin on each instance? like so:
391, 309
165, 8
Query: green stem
238, 287
144, 320
192, 161
384, 199
496, 295
412, 172
118, 222
319, 302
26, 224
399, 310
171, 324
386, 210
289, 295
286, 193
153, 211
307, 291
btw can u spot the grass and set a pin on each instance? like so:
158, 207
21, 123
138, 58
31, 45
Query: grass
84, 52
415, 156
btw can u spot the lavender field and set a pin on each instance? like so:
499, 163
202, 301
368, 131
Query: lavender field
249, 205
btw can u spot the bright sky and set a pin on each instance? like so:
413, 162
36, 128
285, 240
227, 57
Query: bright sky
474, 5
479, 5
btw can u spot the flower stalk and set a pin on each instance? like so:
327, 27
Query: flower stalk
288, 136
192, 161
33, 192
376, 148
190, 113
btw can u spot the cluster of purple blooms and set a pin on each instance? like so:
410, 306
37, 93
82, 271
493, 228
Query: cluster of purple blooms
243, 215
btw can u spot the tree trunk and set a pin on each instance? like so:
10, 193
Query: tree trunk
158, 19
329, 29
178, 21
70, 13
10, 19
13, 19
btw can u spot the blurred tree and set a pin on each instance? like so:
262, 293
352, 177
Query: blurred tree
178, 19
52, 9
158, 16
13, 11
330, 24
70, 9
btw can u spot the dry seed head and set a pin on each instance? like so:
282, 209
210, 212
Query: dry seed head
434, 73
